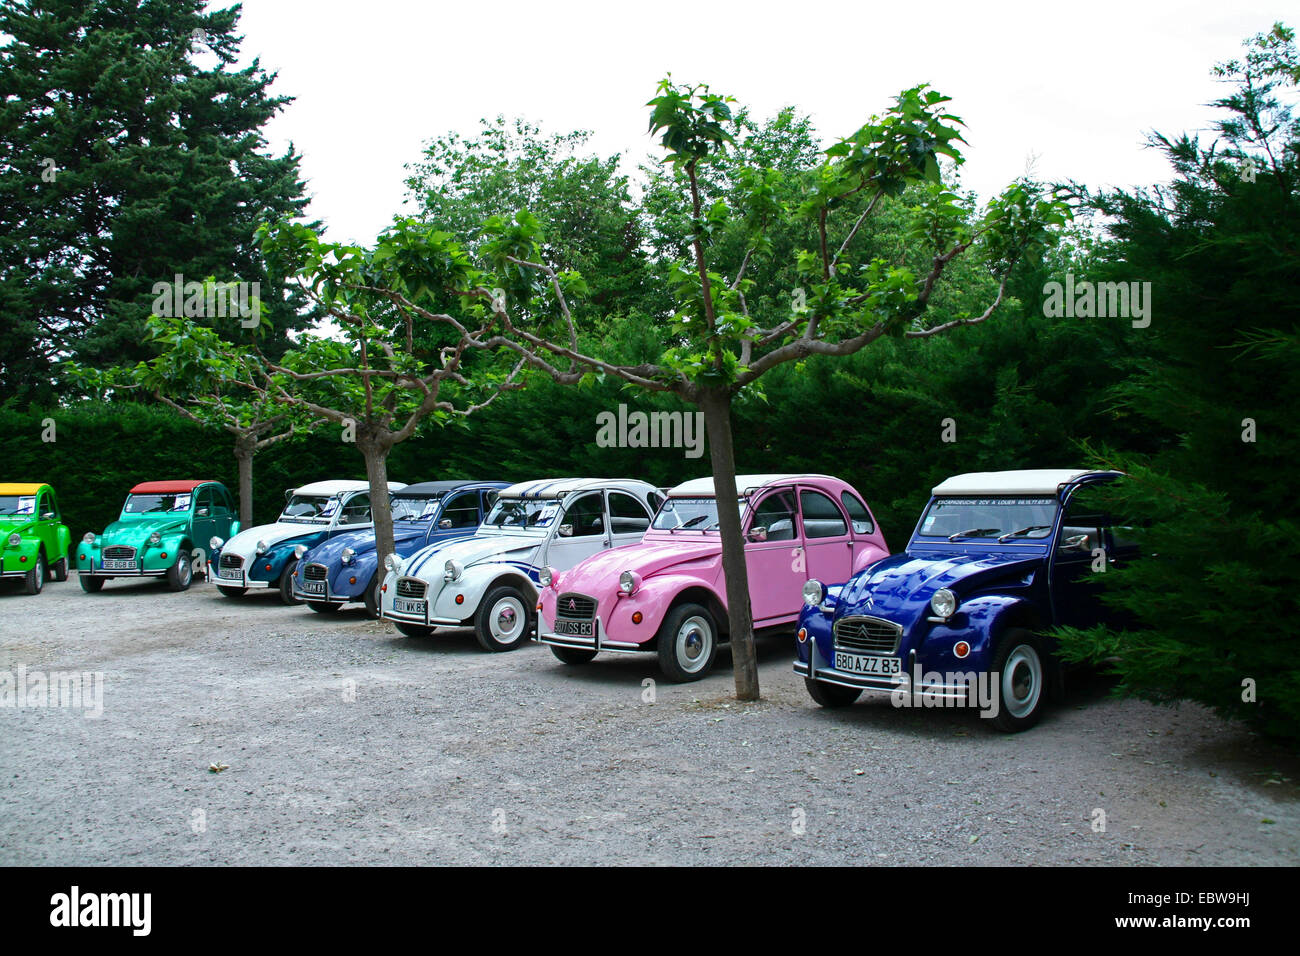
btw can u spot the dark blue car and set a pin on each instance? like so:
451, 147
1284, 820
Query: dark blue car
345, 569
958, 618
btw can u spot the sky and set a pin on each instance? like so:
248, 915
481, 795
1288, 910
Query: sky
1069, 91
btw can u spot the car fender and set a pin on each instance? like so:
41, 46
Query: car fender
654, 599
474, 583
979, 621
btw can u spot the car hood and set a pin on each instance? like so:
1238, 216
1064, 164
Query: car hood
363, 542
281, 532
18, 524
135, 528
428, 562
646, 559
900, 587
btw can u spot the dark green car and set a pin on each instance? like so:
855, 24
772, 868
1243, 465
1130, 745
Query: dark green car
34, 538
162, 532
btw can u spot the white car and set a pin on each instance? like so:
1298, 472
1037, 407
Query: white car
490, 579
267, 556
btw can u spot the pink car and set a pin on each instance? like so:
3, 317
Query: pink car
667, 594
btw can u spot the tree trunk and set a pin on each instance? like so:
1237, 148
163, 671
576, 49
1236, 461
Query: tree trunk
376, 455
245, 448
716, 405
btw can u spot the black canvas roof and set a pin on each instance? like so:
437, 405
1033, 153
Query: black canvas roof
429, 489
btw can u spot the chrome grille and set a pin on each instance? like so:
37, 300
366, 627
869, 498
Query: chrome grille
411, 588
119, 552
867, 635
575, 607
314, 572
231, 561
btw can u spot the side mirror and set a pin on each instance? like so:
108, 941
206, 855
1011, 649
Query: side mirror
444, 523
202, 512
1075, 542
758, 533
565, 530
48, 516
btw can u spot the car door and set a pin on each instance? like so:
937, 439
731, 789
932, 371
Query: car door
1078, 559
47, 525
459, 515
628, 519
827, 538
354, 514
775, 577
204, 525
580, 532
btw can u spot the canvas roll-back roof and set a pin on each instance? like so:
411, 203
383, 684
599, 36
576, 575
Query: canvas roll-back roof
21, 487
336, 487
429, 489
168, 487
703, 487
1039, 481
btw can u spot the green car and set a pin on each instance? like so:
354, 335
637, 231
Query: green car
158, 534
34, 537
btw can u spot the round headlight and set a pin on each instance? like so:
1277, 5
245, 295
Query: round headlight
452, 570
261, 547
15, 539
346, 555
299, 550
546, 576
155, 538
215, 543
88, 537
394, 563
944, 603
628, 582
813, 592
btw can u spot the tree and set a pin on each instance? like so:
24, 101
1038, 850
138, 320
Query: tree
124, 162
717, 348
1199, 617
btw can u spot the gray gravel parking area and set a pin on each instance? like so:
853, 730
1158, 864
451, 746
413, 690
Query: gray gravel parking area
346, 743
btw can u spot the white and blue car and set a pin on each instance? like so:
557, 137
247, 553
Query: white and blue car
266, 556
490, 580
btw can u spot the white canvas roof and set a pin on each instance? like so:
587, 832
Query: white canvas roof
559, 487
1041, 481
338, 487
703, 487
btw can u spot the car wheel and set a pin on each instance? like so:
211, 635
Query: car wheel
34, 580
371, 597
60, 570
323, 607
504, 619
231, 592
180, 574
286, 584
90, 584
1019, 673
413, 630
688, 642
573, 655
831, 695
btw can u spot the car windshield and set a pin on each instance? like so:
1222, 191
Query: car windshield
415, 509
520, 514
310, 508
1007, 519
17, 504
694, 514
151, 504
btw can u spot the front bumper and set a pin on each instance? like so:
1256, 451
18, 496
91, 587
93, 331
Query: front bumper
595, 642
424, 617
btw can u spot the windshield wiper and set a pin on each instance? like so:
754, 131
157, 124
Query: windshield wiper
1016, 534
973, 532
688, 524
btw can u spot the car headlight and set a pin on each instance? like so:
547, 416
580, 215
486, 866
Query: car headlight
546, 576
215, 543
346, 555
452, 570
155, 538
943, 603
299, 550
88, 537
813, 592
15, 539
394, 563
261, 547
628, 582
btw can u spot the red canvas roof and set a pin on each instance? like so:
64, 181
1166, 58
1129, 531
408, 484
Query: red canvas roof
166, 487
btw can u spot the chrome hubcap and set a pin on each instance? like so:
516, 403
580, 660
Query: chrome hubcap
507, 619
694, 640
1021, 680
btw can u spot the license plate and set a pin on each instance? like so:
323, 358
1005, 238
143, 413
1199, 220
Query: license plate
407, 606
313, 587
235, 574
867, 664
576, 628
119, 564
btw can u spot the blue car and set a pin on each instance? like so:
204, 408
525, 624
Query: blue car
958, 618
345, 569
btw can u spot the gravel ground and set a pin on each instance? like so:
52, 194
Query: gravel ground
347, 743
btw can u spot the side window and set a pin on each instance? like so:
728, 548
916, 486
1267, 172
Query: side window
461, 511
776, 513
821, 518
626, 514
586, 515
655, 500
203, 506
356, 511
489, 499
858, 514
45, 509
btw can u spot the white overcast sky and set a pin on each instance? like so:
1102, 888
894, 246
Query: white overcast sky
1072, 88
